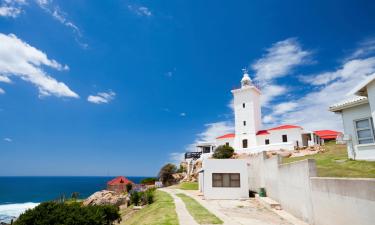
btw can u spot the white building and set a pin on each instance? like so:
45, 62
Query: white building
224, 182
358, 115
249, 137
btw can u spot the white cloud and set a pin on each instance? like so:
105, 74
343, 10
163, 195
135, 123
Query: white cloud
365, 48
284, 107
11, 8
354, 66
5, 79
2, 91
182, 114
54, 10
176, 157
101, 97
140, 10
279, 61
312, 111
268, 119
19, 59
8, 139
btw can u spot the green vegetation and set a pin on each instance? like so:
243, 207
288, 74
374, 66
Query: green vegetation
161, 212
200, 214
142, 197
53, 213
188, 186
223, 152
150, 180
334, 162
166, 174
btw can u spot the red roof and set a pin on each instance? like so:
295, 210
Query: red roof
262, 132
119, 180
284, 127
327, 134
226, 136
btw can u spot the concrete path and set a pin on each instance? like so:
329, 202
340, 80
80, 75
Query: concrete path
236, 212
184, 216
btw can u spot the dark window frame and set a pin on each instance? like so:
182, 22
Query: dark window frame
218, 180
243, 105
244, 122
245, 143
284, 138
267, 141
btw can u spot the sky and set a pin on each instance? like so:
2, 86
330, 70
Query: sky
122, 87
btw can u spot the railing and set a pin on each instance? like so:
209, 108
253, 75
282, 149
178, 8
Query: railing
193, 155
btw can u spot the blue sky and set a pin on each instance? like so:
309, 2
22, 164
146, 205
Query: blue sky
121, 87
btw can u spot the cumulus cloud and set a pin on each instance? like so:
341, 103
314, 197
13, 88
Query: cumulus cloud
19, 59
2, 91
284, 107
182, 114
140, 10
176, 157
280, 60
101, 97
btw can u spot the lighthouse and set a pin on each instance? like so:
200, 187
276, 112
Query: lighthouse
247, 113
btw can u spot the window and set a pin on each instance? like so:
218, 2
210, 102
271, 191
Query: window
243, 105
206, 149
267, 141
226, 180
244, 143
365, 131
244, 122
285, 138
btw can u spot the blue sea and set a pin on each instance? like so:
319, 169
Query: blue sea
20, 193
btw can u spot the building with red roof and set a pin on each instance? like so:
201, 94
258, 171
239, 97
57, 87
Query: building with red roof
249, 135
118, 184
327, 135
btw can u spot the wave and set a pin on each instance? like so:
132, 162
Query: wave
12, 211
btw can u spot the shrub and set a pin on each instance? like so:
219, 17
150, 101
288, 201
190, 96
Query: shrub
223, 152
150, 196
166, 173
150, 180
135, 198
129, 187
182, 169
53, 213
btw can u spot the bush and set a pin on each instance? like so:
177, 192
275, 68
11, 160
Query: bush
150, 180
181, 169
53, 213
223, 152
149, 196
166, 173
135, 198
129, 187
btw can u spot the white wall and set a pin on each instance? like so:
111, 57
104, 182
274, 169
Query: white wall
211, 166
371, 97
348, 117
316, 200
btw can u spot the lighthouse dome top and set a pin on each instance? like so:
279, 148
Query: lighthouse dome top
246, 80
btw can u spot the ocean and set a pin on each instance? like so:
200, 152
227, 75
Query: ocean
20, 193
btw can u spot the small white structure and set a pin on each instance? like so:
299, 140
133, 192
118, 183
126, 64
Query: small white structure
224, 179
358, 115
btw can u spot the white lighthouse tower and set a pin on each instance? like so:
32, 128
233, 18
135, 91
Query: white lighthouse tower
247, 113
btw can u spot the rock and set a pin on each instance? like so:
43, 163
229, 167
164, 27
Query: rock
107, 198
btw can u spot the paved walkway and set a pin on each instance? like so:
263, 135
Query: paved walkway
184, 216
236, 212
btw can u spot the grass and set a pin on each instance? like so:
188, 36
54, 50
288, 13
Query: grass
196, 210
161, 212
188, 186
334, 162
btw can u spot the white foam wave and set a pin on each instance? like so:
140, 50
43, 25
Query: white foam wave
10, 211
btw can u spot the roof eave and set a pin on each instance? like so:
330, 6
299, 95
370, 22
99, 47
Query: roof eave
348, 105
